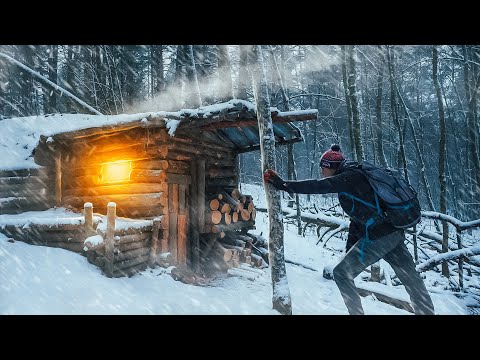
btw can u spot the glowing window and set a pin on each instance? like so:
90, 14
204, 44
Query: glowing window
117, 171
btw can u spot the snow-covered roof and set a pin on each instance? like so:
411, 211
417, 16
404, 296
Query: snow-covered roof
233, 122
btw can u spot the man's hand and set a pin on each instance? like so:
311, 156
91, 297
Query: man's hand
270, 176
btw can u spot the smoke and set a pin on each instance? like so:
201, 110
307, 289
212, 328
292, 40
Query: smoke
173, 98
214, 87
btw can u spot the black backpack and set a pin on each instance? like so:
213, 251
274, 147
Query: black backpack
399, 201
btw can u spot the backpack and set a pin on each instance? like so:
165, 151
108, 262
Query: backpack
398, 199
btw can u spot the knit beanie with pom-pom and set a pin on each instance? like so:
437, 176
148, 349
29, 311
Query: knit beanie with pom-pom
332, 158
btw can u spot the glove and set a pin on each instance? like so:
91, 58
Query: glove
270, 176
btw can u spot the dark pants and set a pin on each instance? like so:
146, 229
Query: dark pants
394, 251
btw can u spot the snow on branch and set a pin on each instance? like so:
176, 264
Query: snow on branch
452, 255
55, 86
455, 222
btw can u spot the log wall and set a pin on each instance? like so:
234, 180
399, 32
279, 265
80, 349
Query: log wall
25, 190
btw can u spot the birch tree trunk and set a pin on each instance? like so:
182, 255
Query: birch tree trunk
347, 101
441, 157
281, 293
352, 92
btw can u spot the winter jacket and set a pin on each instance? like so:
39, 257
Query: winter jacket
353, 182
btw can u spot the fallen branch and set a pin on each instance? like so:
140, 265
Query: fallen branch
452, 255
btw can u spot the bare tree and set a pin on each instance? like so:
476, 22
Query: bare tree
281, 292
291, 172
352, 93
472, 84
401, 157
442, 153
158, 78
225, 90
343, 54
51, 101
193, 92
243, 78
378, 109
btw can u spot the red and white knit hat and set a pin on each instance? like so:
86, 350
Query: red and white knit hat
332, 158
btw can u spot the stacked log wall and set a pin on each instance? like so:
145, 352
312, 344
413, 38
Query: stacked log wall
66, 236
25, 190
145, 195
131, 251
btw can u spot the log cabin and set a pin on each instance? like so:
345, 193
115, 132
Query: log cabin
179, 168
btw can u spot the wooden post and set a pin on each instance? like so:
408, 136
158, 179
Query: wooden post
88, 213
194, 245
201, 210
415, 250
109, 235
58, 177
173, 220
153, 249
460, 259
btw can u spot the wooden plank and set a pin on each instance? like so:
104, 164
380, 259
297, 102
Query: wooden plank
194, 230
151, 164
154, 243
173, 219
16, 205
133, 245
145, 231
123, 200
182, 239
131, 254
58, 177
178, 167
108, 141
181, 199
201, 194
20, 182
142, 237
148, 175
165, 232
41, 171
123, 188
179, 179
182, 225
27, 193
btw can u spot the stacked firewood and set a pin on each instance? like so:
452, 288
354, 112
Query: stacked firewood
229, 212
233, 249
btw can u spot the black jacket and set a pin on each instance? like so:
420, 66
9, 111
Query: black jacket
355, 183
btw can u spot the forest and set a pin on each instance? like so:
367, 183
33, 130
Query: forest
413, 108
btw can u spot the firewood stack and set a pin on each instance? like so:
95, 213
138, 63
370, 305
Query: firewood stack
229, 212
226, 243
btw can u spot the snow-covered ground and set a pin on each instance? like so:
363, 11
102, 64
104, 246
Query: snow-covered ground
43, 280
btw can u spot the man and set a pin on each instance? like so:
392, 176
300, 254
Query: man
368, 241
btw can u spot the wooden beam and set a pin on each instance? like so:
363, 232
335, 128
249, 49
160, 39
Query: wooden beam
278, 119
58, 177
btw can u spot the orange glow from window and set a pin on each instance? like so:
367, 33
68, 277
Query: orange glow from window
118, 171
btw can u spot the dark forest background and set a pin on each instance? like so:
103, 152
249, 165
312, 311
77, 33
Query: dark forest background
413, 108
